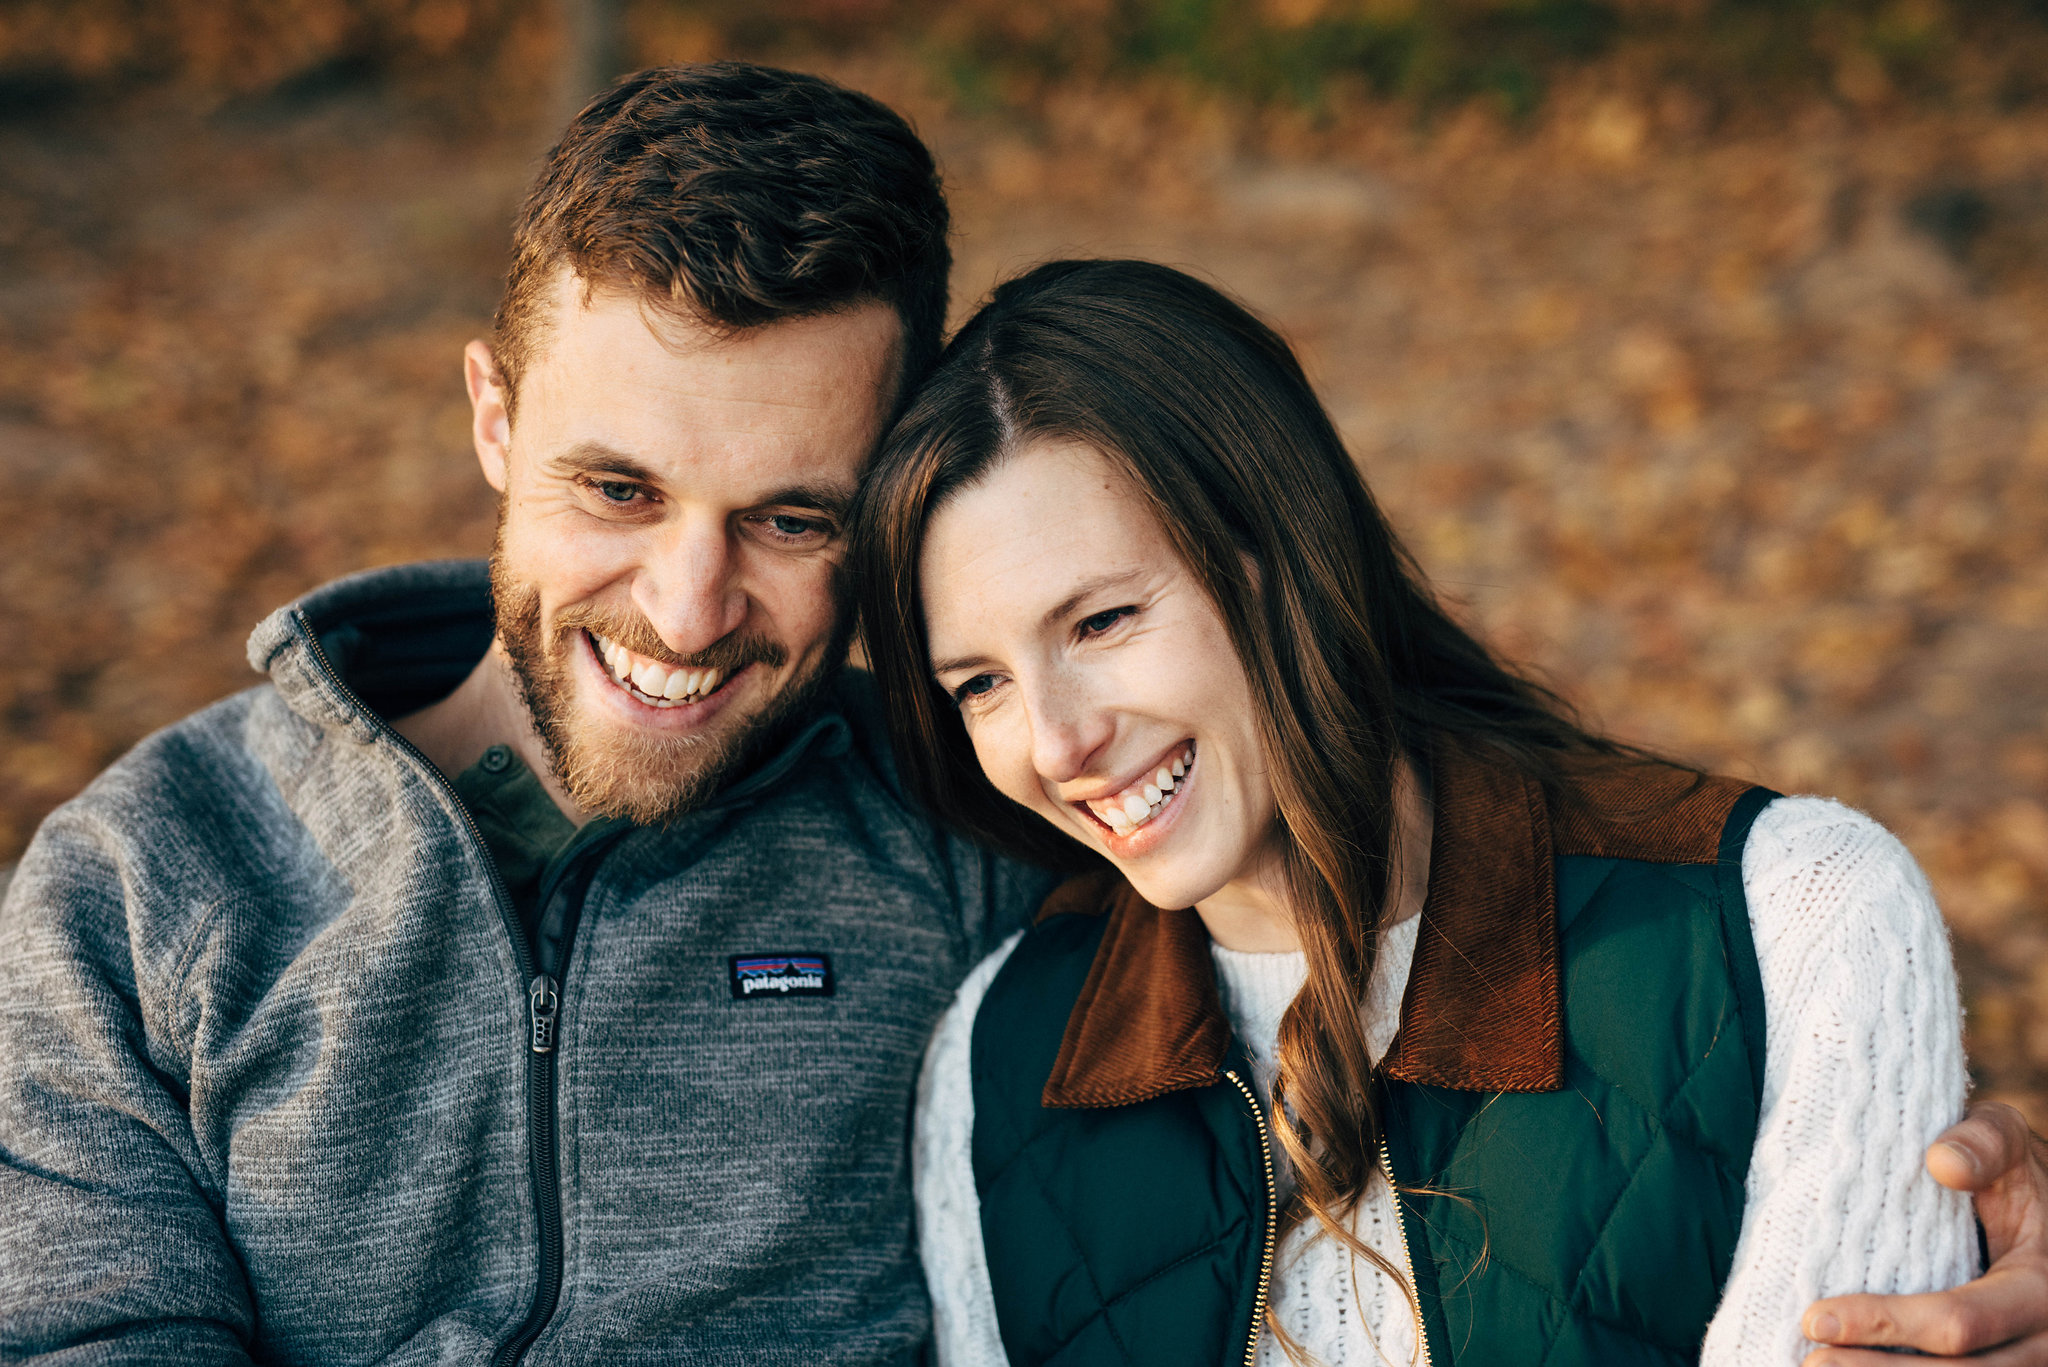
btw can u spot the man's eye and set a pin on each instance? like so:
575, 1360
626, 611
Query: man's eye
611, 491
1103, 621
792, 526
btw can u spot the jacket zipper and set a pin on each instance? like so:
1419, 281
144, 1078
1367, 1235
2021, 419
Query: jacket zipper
1407, 1258
540, 1069
1251, 1347
543, 1009
547, 1196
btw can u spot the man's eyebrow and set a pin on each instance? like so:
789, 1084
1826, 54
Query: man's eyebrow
824, 498
1060, 610
588, 457
594, 457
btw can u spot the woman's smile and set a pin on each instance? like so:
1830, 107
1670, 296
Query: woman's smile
1133, 806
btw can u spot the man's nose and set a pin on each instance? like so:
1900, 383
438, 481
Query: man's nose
1068, 730
691, 594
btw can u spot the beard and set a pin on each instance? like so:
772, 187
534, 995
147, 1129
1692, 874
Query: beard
648, 778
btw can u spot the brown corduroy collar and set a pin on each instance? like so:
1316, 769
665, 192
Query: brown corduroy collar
1482, 1009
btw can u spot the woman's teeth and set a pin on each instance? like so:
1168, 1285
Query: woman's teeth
653, 682
1134, 806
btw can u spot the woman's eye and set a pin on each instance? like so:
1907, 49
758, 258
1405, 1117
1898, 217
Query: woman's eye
974, 687
1103, 621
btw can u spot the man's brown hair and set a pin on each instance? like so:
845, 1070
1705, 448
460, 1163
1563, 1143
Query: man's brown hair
733, 195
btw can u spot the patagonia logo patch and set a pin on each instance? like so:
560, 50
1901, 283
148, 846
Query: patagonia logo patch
781, 975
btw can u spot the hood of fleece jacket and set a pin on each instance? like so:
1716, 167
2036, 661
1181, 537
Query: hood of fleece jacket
386, 642
398, 638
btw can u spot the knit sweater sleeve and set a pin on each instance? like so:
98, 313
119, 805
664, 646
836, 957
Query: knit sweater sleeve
964, 1329
1863, 1067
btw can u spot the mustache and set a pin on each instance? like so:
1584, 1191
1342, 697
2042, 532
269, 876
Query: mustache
729, 654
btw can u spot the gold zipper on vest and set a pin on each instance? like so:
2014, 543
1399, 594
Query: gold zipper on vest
1407, 1258
1251, 1347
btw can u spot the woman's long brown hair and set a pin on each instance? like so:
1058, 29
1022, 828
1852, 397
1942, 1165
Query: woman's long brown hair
1353, 663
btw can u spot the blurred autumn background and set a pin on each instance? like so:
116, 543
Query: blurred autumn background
1698, 346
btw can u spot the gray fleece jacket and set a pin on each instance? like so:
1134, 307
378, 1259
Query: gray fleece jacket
269, 1083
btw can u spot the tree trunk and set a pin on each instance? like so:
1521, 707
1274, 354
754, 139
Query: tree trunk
595, 51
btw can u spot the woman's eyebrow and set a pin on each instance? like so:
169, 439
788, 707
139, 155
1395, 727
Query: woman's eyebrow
1086, 589
958, 662
1056, 613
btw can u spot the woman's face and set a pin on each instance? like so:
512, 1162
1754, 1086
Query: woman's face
1094, 674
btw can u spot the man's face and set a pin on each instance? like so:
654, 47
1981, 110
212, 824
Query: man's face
670, 534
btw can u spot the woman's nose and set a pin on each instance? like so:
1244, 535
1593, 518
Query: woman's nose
1067, 733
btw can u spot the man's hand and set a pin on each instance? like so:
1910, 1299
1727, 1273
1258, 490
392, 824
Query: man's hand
1999, 1320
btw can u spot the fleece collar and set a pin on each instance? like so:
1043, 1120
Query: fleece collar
354, 653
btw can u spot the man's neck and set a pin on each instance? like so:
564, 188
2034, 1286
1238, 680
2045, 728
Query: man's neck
484, 710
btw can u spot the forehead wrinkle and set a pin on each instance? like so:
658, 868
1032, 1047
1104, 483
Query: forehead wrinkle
727, 387
811, 393
712, 416
687, 334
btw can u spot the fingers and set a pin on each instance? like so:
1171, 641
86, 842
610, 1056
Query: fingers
2031, 1353
1999, 1320
1995, 1309
1980, 1148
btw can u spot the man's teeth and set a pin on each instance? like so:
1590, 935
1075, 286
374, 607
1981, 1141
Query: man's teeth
1140, 803
655, 682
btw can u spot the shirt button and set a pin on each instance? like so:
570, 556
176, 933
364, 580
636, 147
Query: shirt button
496, 760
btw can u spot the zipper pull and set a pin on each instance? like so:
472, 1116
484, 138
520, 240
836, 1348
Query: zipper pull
544, 1003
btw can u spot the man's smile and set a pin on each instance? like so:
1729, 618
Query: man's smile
651, 681
634, 689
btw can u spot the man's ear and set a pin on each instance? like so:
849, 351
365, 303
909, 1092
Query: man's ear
490, 424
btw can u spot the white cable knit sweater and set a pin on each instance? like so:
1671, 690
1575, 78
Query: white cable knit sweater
1863, 1066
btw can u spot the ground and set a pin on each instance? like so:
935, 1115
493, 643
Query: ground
1734, 429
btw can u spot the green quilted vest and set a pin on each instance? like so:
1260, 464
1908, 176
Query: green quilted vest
1579, 1070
